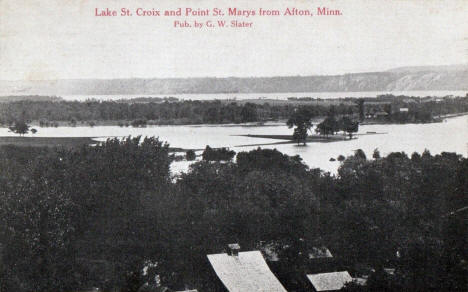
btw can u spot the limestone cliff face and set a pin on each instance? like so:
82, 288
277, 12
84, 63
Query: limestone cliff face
400, 79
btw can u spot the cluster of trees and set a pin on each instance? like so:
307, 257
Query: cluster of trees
331, 125
186, 112
154, 111
221, 154
409, 213
21, 127
190, 155
419, 110
81, 218
301, 119
95, 216
182, 112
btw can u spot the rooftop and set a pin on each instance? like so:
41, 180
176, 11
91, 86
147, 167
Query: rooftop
247, 271
329, 281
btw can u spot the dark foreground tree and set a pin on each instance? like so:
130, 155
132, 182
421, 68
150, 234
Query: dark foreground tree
82, 218
94, 216
376, 153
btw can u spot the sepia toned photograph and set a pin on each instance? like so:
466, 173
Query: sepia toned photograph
233, 145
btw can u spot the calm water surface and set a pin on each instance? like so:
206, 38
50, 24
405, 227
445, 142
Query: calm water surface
450, 136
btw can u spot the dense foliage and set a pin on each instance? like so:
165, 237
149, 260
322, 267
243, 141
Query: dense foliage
139, 114
301, 119
95, 216
402, 109
68, 216
153, 111
331, 125
220, 154
20, 127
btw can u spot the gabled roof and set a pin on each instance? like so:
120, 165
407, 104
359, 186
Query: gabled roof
246, 272
329, 281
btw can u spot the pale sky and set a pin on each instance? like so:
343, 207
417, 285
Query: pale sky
63, 39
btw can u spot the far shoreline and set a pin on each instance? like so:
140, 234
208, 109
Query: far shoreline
276, 123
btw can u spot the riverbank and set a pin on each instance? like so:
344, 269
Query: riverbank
436, 119
128, 124
447, 116
66, 142
183, 122
310, 138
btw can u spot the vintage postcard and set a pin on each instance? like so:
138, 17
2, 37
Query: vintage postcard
233, 145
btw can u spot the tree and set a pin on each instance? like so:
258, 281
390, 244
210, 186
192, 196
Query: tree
72, 211
328, 126
361, 109
19, 127
302, 120
300, 134
249, 113
376, 154
349, 126
360, 154
268, 159
139, 123
221, 154
190, 155
265, 196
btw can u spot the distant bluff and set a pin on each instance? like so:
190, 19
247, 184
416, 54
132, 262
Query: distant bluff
399, 79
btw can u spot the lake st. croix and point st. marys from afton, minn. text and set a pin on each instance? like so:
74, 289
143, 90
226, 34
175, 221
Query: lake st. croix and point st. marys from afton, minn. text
188, 12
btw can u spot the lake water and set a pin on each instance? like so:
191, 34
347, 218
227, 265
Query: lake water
450, 135
280, 96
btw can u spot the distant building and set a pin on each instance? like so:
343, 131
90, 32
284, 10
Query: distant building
269, 251
403, 109
320, 253
409, 100
244, 271
333, 281
360, 281
380, 114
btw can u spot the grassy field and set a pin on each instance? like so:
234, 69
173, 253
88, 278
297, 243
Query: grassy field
68, 142
46, 141
310, 138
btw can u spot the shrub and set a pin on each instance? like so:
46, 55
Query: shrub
190, 155
221, 154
